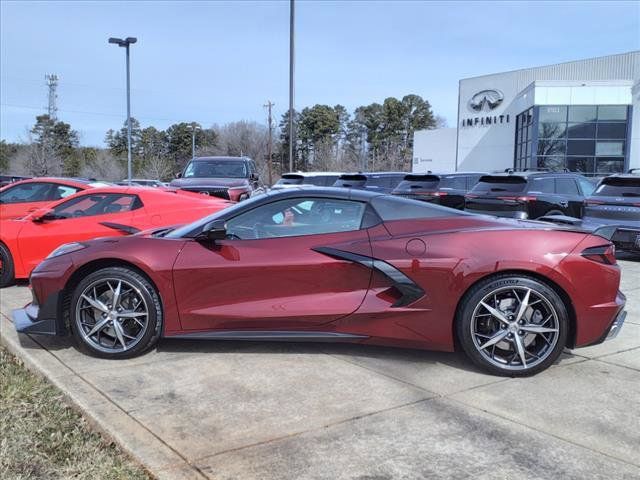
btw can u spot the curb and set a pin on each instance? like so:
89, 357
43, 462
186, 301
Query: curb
156, 457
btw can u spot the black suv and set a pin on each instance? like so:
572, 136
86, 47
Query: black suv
446, 189
383, 182
529, 194
231, 178
616, 201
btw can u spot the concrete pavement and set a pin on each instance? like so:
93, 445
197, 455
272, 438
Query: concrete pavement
232, 410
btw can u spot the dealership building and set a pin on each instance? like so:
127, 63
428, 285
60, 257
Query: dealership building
583, 116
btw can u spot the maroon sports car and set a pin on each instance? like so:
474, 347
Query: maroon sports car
343, 266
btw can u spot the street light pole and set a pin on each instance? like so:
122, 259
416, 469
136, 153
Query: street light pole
194, 127
292, 133
126, 43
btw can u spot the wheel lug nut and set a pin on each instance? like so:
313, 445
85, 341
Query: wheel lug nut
520, 332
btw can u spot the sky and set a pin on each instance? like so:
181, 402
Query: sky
216, 62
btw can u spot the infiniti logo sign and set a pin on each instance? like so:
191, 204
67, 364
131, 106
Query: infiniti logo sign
490, 98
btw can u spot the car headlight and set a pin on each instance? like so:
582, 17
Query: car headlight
66, 248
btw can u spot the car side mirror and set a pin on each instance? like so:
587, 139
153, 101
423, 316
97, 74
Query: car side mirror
178, 174
214, 230
42, 215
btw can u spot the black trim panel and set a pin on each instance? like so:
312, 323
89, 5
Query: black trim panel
123, 228
264, 335
408, 288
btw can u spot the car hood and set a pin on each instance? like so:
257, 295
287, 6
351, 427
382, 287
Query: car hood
210, 182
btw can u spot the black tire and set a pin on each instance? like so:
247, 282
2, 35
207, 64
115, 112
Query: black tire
473, 316
143, 288
6, 267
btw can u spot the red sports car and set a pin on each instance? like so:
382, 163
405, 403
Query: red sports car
96, 212
338, 265
21, 198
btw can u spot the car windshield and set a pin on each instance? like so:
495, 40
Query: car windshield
619, 187
215, 169
491, 184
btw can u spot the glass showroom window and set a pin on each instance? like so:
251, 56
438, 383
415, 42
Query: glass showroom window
524, 140
590, 139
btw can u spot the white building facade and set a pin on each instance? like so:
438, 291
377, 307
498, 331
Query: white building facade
576, 115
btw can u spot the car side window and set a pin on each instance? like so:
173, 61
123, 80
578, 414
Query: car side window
586, 186
295, 217
542, 185
566, 186
27, 192
96, 204
472, 180
62, 191
453, 182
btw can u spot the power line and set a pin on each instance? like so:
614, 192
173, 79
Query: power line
102, 114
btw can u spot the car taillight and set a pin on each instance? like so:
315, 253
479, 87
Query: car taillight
603, 254
438, 194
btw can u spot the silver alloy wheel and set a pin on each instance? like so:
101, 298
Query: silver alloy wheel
515, 328
112, 315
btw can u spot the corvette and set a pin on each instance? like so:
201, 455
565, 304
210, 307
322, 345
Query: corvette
337, 265
23, 197
91, 213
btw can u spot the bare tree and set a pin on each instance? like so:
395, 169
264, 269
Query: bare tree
158, 167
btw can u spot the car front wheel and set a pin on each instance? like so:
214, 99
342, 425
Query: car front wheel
512, 325
6, 267
115, 313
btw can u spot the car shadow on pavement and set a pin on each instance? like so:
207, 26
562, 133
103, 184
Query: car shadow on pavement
349, 352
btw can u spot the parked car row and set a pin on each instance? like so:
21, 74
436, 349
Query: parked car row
560, 197
31, 230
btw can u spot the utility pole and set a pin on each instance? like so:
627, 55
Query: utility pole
194, 128
269, 106
52, 83
292, 133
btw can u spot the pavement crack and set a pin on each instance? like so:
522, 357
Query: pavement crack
322, 427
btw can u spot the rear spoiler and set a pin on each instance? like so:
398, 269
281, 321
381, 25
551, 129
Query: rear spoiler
606, 231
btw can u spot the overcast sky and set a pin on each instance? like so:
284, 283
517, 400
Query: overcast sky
215, 62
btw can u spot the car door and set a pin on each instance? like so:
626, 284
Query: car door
19, 200
546, 200
80, 218
567, 189
267, 273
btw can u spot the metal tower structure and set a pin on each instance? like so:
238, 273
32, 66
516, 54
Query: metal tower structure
52, 83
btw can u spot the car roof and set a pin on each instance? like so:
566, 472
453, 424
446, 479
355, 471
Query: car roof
313, 174
76, 182
623, 175
418, 176
224, 158
328, 192
532, 173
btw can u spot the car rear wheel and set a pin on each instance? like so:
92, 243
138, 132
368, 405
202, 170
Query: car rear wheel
115, 313
6, 266
512, 325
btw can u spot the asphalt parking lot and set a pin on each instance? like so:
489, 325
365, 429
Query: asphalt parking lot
232, 410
